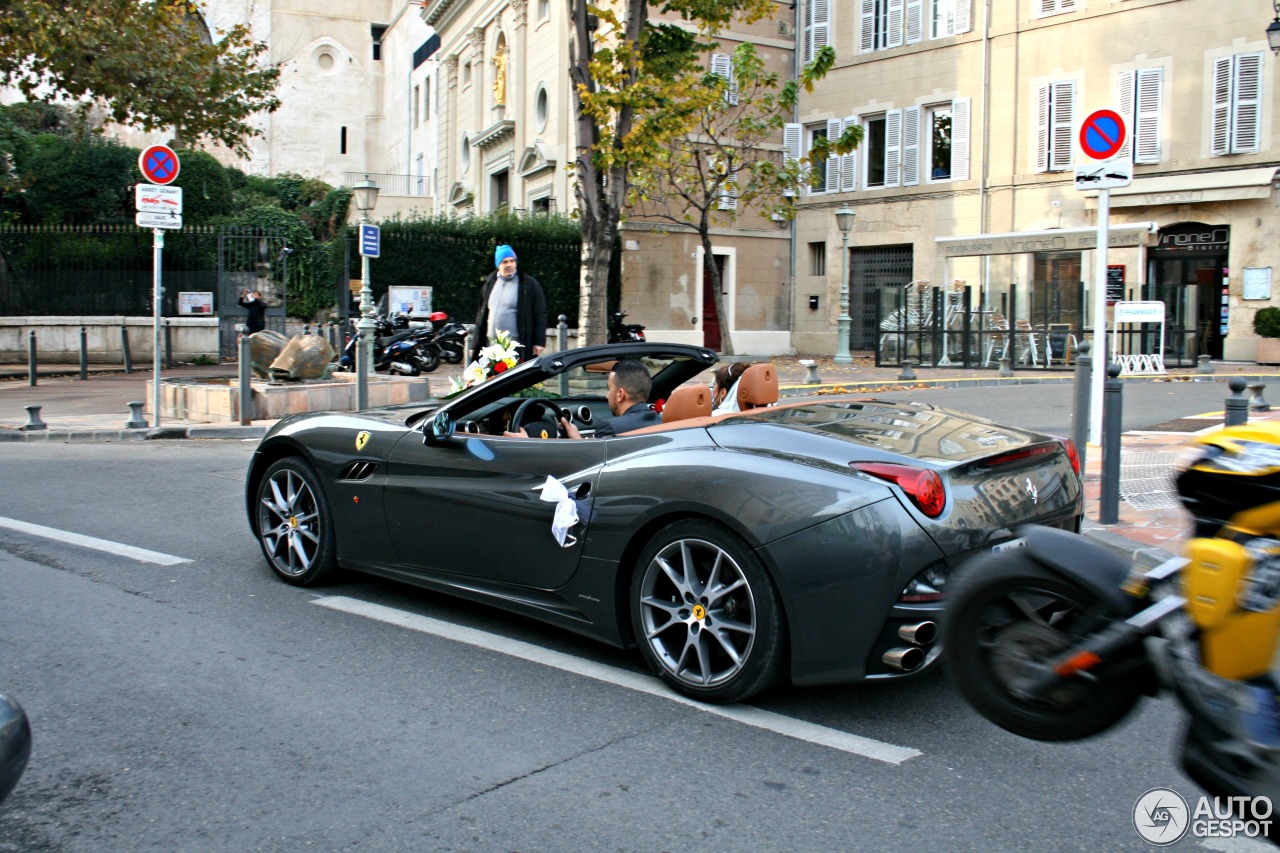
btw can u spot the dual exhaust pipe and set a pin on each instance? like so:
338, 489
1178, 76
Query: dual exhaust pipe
910, 658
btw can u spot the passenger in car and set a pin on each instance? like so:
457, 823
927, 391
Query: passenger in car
724, 395
629, 389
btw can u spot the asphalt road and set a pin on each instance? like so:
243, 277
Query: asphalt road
203, 705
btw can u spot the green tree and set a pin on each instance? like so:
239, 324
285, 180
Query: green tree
637, 86
151, 65
76, 182
206, 187
724, 166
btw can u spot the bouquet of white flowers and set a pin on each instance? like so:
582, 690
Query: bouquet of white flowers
498, 357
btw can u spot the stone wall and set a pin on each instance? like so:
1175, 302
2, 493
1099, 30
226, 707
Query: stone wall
58, 338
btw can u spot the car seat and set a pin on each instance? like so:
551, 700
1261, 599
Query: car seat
688, 401
758, 387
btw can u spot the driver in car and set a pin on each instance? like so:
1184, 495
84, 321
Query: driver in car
629, 388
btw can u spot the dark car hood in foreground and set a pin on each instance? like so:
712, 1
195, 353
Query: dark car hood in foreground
916, 430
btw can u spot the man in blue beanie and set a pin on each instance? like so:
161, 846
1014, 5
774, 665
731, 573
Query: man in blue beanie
511, 301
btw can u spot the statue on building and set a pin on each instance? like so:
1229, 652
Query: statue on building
500, 76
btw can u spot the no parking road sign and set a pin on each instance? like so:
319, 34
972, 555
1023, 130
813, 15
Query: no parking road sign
1103, 134
158, 164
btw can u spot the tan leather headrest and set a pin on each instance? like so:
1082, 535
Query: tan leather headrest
758, 387
689, 401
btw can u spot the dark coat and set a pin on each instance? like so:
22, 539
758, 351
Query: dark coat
257, 319
638, 416
531, 316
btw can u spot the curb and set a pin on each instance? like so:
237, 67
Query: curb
1143, 555
88, 436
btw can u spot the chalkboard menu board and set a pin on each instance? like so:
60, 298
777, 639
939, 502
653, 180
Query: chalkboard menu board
1115, 283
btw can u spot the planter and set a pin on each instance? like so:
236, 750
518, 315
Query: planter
1268, 351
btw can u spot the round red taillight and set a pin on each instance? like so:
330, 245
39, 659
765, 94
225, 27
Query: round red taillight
922, 485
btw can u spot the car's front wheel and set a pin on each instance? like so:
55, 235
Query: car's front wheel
294, 524
706, 614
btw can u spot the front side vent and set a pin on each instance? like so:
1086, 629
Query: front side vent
360, 470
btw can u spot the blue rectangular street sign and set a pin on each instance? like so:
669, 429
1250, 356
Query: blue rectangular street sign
370, 240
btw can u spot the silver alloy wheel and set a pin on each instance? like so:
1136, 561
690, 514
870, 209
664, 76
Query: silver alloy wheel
697, 612
289, 520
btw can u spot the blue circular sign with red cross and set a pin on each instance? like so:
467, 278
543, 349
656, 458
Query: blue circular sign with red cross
1102, 135
158, 164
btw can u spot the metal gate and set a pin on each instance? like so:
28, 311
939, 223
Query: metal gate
251, 259
871, 271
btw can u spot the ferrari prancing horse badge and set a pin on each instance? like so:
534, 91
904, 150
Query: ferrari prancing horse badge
362, 438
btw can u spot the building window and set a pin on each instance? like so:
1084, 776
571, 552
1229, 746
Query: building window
938, 133
883, 144
417, 115
1044, 8
817, 27
1141, 101
501, 187
817, 258
1055, 124
420, 176
426, 99
377, 33
881, 24
540, 109
818, 171
342, 140
722, 66
1237, 104
466, 74
466, 153
544, 9
542, 206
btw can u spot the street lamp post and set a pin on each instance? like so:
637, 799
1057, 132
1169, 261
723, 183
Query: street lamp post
366, 196
844, 219
1273, 29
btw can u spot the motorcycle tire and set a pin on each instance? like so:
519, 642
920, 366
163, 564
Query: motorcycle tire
453, 356
1006, 614
427, 360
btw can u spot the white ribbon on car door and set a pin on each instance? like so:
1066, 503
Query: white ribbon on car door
553, 491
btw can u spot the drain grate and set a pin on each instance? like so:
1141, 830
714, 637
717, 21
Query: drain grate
1146, 480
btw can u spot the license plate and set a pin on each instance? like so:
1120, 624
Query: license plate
1009, 546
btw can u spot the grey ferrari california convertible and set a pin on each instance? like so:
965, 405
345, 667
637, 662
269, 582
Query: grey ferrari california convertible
808, 541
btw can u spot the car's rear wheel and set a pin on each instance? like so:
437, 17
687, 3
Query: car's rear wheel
294, 524
706, 614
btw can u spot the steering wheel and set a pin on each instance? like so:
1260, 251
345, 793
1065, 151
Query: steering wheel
540, 412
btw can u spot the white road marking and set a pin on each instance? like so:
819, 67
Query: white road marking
140, 554
798, 729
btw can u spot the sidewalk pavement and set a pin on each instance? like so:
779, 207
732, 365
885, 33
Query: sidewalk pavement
1150, 528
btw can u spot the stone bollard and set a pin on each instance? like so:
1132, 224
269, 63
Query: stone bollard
1203, 368
908, 373
1006, 367
1236, 407
1258, 404
812, 366
1112, 442
33, 419
136, 418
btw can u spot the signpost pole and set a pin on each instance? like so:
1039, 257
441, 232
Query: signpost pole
1101, 354
157, 304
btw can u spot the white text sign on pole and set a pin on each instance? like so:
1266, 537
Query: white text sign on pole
152, 198
157, 220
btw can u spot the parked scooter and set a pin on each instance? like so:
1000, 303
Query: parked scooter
1059, 639
397, 348
620, 332
448, 336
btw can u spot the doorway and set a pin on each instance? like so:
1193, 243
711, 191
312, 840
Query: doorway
1188, 272
710, 317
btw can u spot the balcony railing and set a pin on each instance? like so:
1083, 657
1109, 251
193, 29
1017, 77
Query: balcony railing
389, 184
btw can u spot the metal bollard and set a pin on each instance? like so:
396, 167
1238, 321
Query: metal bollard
124, 348
1006, 367
908, 373
1258, 404
1112, 413
136, 419
1236, 407
33, 419
84, 354
562, 340
1080, 414
246, 392
306, 328
168, 346
31, 357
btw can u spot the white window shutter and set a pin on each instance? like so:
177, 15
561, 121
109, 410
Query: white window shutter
895, 23
722, 66
867, 28
1220, 133
915, 21
1064, 125
1145, 129
910, 146
849, 162
960, 139
821, 26
1048, 7
1042, 129
833, 161
1128, 108
1245, 124
964, 16
1066, 5
893, 148
792, 140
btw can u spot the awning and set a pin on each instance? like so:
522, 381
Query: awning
1119, 235
1192, 189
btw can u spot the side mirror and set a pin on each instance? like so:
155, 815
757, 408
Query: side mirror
15, 744
441, 428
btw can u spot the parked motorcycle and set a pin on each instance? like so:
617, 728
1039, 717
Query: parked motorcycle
1058, 640
620, 332
397, 348
448, 336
